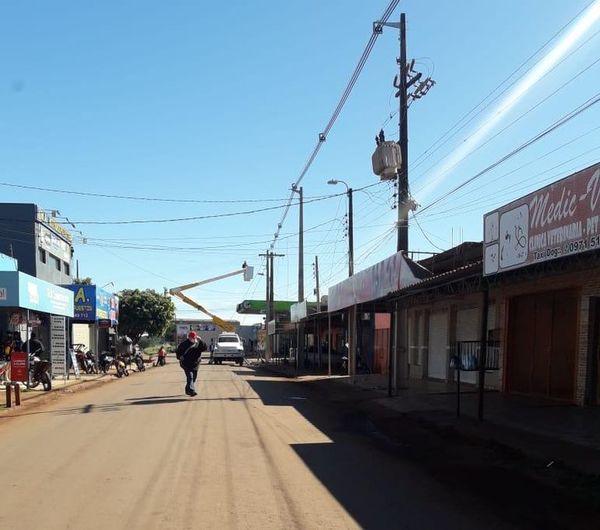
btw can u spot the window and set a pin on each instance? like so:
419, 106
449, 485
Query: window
67, 268
229, 339
43, 257
56, 261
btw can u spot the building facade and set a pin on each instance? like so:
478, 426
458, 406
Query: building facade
41, 245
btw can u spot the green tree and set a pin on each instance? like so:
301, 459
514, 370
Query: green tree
144, 312
82, 281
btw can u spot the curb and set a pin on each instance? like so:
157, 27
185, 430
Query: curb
43, 398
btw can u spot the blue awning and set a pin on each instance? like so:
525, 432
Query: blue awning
18, 289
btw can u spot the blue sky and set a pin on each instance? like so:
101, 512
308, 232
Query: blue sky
210, 101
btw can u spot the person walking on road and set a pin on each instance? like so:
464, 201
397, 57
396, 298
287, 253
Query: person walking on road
189, 353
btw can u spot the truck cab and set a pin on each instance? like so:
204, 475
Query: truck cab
229, 347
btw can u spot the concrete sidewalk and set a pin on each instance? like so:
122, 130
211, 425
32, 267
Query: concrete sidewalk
548, 431
58, 385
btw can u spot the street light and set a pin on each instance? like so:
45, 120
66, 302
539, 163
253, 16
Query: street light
106, 284
350, 225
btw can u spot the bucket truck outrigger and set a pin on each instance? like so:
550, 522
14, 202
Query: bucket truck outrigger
246, 270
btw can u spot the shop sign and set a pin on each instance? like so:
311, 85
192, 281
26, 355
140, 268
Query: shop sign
27, 292
58, 346
54, 244
113, 313
44, 296
92, 303
9, 285
43, 217
18, 366
102, 304
383, 278
556, 221
84, 302
74, 363
104, 323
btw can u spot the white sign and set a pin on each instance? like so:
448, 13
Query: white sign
54, 244
58, 346
3, 293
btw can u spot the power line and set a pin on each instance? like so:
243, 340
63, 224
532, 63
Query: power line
565, 119
521, 116
445, 138
342, 101
135, 197
425, 235
198, 217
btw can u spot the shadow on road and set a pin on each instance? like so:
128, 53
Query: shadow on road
391, 472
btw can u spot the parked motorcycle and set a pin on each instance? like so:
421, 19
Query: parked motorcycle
39, 372
138, 359
105, 361
361, 366
121, 365
85, 359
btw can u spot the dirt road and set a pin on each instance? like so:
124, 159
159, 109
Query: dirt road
249, 451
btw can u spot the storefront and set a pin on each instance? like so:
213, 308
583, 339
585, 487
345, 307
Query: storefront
365, 300
29, 305
96, 317
541, 260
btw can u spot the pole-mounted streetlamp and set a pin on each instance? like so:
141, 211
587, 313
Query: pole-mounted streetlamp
350, 225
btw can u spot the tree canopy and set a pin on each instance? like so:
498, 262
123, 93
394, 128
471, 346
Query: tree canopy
82, 281
144, 312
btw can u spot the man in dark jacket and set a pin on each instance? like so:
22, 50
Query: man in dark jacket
189, 353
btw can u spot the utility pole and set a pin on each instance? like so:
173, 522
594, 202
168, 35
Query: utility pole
350, 235
317, 322
300, 333
300, 243
403, 141
267, 305
317, 292
269, 297
404, 82
405, 93
351, 314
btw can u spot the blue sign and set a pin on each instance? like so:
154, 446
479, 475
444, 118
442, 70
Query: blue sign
84, 301
92, 303
9, 289
7, 263
18, 289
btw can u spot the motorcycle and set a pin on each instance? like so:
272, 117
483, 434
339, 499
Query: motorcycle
105, 361
39, 372
361, 366
138, 359
121, 365
85, 359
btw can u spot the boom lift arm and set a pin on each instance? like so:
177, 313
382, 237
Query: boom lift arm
246, 270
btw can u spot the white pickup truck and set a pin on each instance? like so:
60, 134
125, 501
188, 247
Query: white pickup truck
229, 347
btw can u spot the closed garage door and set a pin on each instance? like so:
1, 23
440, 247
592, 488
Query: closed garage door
437, 359
541, 348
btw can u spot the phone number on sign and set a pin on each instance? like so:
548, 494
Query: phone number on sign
581, 244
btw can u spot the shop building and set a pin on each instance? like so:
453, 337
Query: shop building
206, 328
31, 305
41, 245
96, 317
541, 261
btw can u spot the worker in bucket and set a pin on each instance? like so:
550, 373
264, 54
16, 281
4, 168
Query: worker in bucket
189, 353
